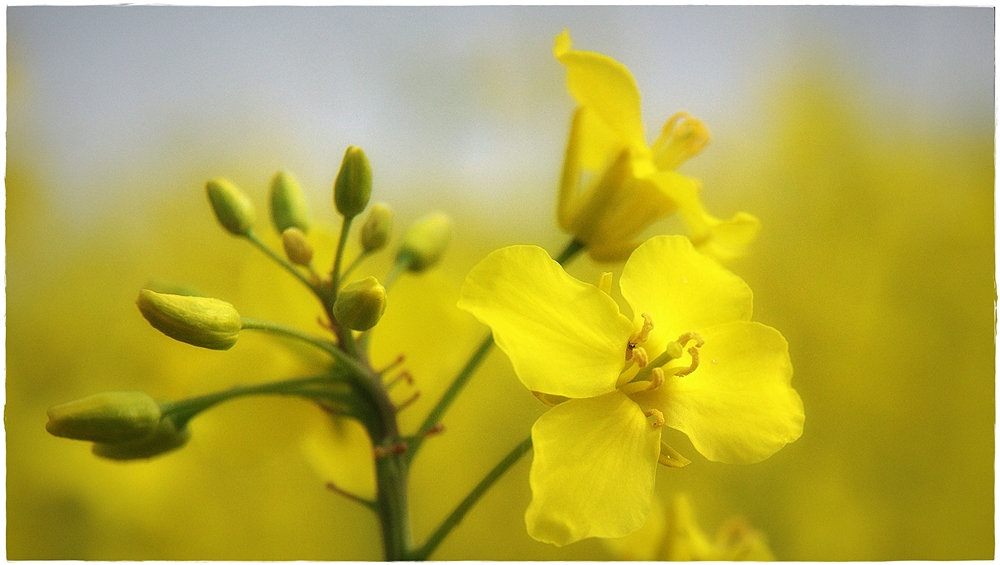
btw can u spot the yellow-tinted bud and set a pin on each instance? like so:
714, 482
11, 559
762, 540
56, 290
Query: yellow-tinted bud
288, 205
204, 322
375, 231
233, 209
360, 304
297, 247
426, 242
105, 417
353, 186
165, 438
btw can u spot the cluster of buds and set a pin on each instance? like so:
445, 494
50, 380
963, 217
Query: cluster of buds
122, 425
131, 425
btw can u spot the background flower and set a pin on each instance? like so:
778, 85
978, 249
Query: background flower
861, 137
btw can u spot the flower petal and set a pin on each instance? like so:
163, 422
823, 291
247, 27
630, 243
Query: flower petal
681, 289
563, 337
722, 239
738, 406
593, 470
604, 85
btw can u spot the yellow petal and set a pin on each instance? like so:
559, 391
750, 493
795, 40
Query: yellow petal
681, 289
593, 470
605, 86
563, 337
738, 406
722, 239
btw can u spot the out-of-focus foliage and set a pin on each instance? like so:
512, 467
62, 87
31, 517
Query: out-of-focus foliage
874, 260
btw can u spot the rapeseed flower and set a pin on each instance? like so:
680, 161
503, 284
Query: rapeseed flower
690, 358
613, 184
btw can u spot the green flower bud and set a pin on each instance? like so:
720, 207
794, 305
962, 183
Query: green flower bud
106, 417
165, 438
297, 247
375, 231
233, 209
425, 242
204, 322
353, 186
360, 304
288, 205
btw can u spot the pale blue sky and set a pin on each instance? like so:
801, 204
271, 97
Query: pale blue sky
466, 96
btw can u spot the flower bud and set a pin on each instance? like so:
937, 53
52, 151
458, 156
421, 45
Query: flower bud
375, 231
105, 417
353, 186
204, 322
233, 209
165, 438
297, 247
425, 242
288, 205
360, 304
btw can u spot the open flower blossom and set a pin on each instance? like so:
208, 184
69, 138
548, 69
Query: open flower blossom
613, 184
690, 358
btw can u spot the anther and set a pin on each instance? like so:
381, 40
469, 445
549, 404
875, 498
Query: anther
686, 337
640, 357
604, 283
670, 458
682, 137
656, 415
656, 379
694, 363
381, 451
639, 337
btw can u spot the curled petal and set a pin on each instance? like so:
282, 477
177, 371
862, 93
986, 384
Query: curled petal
563, 337
723, 239
593, 470
738, 406
604, 85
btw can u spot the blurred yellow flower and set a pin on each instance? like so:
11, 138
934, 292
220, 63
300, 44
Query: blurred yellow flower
626, 184
596, 450
674, 535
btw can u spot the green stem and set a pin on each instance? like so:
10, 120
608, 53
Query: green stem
575, 246
397, 269
568, 253
345, 230
184, 410
357, 261
453, 519
288, 331
252, 238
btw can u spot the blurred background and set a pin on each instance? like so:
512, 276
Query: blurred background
862, 137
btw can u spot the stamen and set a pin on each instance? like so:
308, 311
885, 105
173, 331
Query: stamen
640, 336
657, 417
640, 356
686, 337
656, 381
694, 363
605, 283
682, 137
670, 458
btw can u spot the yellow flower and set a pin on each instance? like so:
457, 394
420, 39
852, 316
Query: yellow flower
613, 185
674, 535
613, 381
